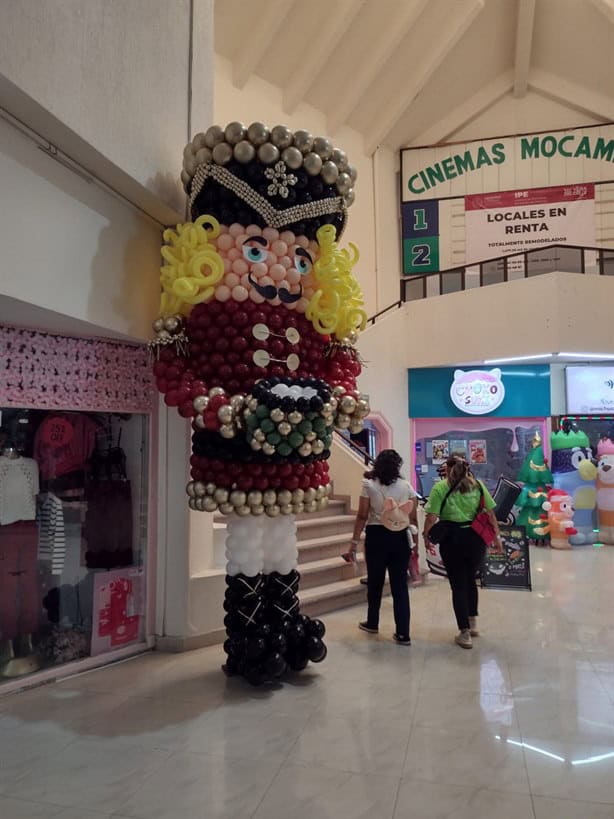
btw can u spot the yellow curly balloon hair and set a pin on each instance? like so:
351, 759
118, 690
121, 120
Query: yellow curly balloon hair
192, 265
337, 304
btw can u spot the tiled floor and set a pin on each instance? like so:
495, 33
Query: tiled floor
522, 726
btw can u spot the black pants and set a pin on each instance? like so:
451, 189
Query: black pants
462, 553
387, 550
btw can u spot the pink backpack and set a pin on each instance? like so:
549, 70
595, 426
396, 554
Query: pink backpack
395, 516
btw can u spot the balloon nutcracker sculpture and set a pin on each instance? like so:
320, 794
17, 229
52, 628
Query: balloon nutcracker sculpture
255, 344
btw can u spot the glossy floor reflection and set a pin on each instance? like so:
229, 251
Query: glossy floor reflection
522, 726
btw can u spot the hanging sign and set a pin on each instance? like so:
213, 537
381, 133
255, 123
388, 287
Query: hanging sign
477, 392
516, 221
57, 432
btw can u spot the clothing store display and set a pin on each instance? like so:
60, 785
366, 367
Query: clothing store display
20, 608
51, 540
64, 443
18, 489
108, 525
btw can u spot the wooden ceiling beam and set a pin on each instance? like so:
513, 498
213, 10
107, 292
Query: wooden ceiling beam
266, 26
524, 43
338, 20
583, 99
373, 61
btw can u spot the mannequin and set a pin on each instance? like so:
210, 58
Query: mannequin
19, 592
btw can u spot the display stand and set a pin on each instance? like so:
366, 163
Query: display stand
512, 569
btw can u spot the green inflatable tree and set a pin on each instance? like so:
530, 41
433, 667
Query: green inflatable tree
536, 477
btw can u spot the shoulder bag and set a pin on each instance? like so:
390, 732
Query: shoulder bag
439, 531
482, 523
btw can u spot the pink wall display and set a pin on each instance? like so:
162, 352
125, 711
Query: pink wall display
47, 371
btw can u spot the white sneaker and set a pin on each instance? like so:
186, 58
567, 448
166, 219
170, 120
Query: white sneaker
463, 639
473, 627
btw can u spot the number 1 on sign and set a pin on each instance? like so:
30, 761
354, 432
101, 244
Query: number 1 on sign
420, 222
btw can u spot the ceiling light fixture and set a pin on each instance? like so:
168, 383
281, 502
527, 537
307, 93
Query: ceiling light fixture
591, 356
517, 358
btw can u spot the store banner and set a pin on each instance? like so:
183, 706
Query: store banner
516, 221
590, 390
509, 391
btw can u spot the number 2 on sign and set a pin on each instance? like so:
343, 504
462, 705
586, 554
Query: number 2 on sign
421, 255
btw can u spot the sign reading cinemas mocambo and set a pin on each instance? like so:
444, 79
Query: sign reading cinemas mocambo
512, 167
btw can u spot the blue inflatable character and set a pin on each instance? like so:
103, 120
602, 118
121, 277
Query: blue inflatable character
574, 471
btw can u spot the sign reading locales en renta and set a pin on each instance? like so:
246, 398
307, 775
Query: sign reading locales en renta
515, 221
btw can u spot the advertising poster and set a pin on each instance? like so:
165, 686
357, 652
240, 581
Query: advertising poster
119, 608
477, 451
458, 446
512, 569
505, 222
441, 451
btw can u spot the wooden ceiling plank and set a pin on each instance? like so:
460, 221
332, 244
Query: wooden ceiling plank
468, 110
339, 18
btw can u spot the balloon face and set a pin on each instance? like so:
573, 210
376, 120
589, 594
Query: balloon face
266, 266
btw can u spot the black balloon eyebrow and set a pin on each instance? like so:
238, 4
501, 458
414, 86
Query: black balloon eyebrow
300, 251
258, 239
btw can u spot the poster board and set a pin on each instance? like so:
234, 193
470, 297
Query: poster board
463, 203
512, 570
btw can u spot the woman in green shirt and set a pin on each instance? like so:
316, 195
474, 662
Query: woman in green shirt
456, 500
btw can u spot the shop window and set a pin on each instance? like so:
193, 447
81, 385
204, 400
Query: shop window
414, 288
452, 281
73, 535
493, 272
567, 259
607, 263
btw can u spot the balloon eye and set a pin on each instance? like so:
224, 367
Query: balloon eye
577, 458
302, 264
254, 253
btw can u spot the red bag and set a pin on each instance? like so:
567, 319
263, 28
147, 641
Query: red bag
482, 523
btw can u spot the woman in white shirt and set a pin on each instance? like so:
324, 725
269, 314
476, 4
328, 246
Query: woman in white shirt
385, 549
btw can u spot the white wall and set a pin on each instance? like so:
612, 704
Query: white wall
72, 248
115, 74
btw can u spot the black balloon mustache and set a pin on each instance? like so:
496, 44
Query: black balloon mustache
269, 291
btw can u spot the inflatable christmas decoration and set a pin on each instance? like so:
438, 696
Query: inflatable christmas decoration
255, 345
560, 525
574, 472
537, 479
605, 489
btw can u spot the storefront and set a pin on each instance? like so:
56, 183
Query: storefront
489, 415
75, 481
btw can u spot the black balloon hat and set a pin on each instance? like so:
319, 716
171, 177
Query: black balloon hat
268, 177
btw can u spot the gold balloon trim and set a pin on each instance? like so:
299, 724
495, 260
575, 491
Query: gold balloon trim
337, 304
192, 265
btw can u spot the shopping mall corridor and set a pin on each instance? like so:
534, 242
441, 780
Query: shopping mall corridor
521, 726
